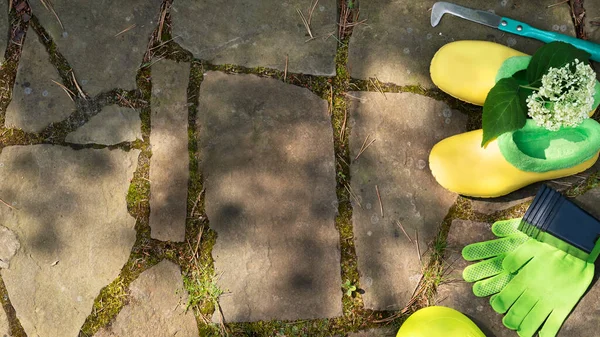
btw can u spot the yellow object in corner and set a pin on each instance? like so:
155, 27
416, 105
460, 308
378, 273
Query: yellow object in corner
467, 69
439, 322
461, 165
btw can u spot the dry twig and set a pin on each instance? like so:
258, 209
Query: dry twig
363, 147
77, 85
349, 189
380, 203
310, 13
165, 42
222, 327
7, 205
126, 101
126, 30
286, 68
196, 202
50, 7
351, 96
417, 243
305, 22
558, 3
377, 86
330, 107
163, 15
403, 231
66, 90
199, 239
343, 129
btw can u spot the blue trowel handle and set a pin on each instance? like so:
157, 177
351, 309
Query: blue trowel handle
523, 29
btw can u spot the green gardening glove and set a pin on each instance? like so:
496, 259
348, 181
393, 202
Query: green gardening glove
488, 275
548, 284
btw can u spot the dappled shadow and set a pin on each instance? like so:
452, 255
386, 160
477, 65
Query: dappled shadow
392, 177
104, 41
267, 158
396, 43
262, 33
70, 217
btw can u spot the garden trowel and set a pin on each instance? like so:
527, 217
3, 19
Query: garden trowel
510, 26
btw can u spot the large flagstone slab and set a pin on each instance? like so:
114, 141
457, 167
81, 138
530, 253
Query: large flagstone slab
394, 169
268, 161
113, 125
37, 101
259, 33
169, 165
69, 213
104, 41
156, 306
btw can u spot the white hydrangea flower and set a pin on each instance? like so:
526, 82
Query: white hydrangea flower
565, 98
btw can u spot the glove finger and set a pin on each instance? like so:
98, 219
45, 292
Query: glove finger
517, 258
554, 322
517, 313
534, 320
492, 285
507, 297
504, 228
484, 269
492, 248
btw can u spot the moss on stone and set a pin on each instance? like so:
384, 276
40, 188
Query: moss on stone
15, 328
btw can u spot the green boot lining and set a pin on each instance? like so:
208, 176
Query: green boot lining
535, 149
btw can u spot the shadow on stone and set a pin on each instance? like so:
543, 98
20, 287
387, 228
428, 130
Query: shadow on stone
70, 217
268, 164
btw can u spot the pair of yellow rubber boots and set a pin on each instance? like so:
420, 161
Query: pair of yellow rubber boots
468, 70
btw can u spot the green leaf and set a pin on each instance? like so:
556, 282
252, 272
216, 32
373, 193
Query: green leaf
552, 55
502, 110
521, 77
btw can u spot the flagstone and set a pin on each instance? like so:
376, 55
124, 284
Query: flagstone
113, 125
268, 161
69, 213
37, 101
104, 41
398, 205
267, 33
156, 306
169, 166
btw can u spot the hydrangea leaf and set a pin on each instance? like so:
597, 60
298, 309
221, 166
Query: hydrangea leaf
552, 55
521, 78
502, 110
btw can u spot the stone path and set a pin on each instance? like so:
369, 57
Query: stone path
157, 306
395, 171
205, 169
267, 155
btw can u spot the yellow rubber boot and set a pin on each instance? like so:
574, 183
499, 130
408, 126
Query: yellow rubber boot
439, 322
461, 165
467, 69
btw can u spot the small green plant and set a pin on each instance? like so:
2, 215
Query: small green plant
349, 287
203, 291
